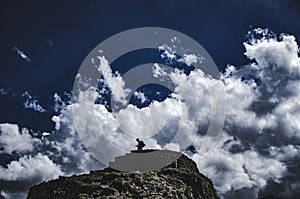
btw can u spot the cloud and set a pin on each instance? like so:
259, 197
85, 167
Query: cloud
158, 71
141, 96
113, 81
59, 103
48, 41
7, 91
19, 175
190, 59
21, 54
262, 119
27, 167
168, 52
13, 139
32, 103
34, 160
235, 171
3, 91
56, 120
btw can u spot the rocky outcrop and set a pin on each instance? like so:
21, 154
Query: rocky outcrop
179, 179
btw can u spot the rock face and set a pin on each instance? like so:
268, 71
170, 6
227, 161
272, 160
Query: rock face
179, 179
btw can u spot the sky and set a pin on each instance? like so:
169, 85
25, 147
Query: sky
254, 44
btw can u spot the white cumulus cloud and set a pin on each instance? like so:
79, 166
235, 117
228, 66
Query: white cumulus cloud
25, 172
15, 140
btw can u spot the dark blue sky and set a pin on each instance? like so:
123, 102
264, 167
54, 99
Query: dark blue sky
58, 35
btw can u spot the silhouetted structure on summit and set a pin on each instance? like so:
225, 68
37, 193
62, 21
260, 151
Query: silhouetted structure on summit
140, 144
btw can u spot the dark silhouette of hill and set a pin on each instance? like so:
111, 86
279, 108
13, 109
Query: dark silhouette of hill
177, 179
